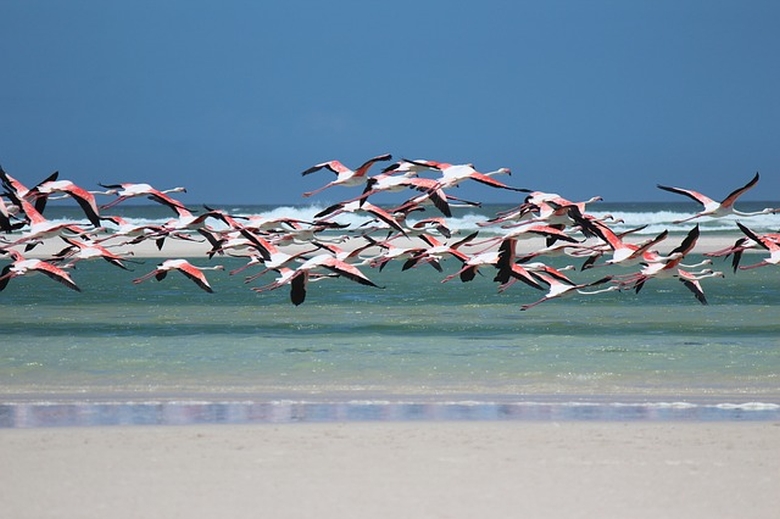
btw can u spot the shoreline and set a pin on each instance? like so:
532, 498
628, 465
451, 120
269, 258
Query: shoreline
89, 413
398, 469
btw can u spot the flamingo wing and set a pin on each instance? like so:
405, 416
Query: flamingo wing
333, 165
195, 275
729, 200
694, 195
57, 274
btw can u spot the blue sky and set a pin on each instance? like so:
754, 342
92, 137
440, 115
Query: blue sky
234, 99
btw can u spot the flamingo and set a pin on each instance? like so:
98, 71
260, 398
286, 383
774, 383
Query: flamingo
530, 230
303, 234
299, 277
40, 227
522, 212
271, 256
357, 206
225, 241
510, 270
437, 223
691, 281
436, 251
78, 250
509, 276
177, 227
718, 209
185, 267
502, 259
344, 175
137, 233
560, 287
84, 198
298, 281
127, 190
624, 253
395, 177
768, 242
348, 255
671, 267
552, 210
5, 218
391, 252
454, 174
434, 194
738, 248
22, 267
20, 190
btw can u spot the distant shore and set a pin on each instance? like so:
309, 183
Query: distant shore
177, 248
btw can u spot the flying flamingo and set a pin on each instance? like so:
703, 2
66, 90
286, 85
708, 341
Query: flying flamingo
177, 227
84, 198
454, 174
183, 266
671, 267
5, 218
271, 256
436, 251
79, 250
22, 267
344, 175
298, 281
127, 190
691, 281
136, 233
531, 230
502, 259
359, 206
718, 209
391, 252
299, 277
41, 228
624, 253
432, 193
561, 287
437, 223
20, 190
394, 177
768, 242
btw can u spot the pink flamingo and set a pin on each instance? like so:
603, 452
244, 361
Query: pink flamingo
344, 175
768, 242
22, 267
718, 209
185, 267
127, 190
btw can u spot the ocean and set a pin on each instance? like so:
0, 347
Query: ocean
416, 348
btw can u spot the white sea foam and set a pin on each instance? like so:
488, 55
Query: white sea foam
464, 221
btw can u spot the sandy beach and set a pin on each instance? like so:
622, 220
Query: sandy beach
183, 248
394, 469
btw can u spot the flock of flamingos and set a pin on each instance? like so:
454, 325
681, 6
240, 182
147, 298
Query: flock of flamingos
300, 252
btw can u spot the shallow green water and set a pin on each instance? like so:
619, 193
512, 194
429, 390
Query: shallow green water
415, 337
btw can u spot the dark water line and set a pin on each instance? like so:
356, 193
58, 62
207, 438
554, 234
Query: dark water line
85, 414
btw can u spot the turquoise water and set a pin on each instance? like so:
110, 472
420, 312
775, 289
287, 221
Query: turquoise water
168, 352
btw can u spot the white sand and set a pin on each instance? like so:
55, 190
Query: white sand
394, 470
